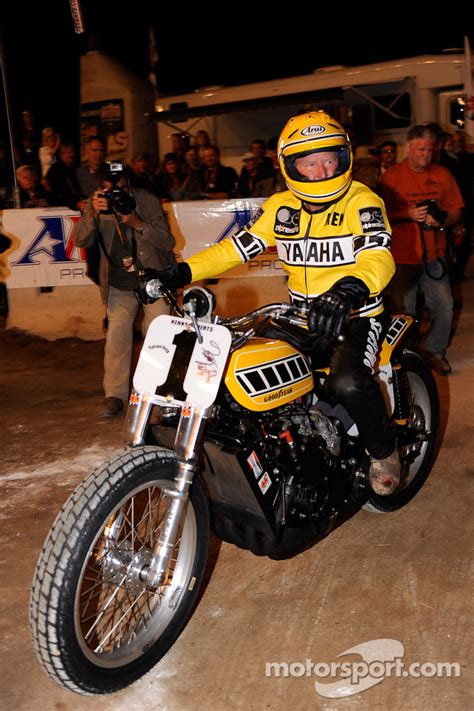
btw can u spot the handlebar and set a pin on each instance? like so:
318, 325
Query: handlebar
290, 311
294, 314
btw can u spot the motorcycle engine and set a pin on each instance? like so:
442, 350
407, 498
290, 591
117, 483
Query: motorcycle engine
301, 438
302, 445
326, 428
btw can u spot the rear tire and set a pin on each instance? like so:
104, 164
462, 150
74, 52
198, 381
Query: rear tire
423, 415
97, 625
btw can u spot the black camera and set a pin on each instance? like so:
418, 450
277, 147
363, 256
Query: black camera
118, 200
434, 210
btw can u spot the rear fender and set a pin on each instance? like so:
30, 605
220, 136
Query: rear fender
399, 328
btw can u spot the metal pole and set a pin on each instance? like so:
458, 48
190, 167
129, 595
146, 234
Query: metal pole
16, 192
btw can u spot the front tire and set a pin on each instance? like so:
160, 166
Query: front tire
423, 416
97, 625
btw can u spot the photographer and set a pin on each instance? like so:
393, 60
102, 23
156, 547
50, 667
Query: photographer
422, 199
129, 226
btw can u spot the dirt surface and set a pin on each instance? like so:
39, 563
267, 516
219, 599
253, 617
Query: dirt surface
405, 576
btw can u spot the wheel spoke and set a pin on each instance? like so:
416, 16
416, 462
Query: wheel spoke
112, 615
150, 517
103, 641
103, 611
132, 524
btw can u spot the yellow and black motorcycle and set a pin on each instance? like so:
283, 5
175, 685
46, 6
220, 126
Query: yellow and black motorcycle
247, 445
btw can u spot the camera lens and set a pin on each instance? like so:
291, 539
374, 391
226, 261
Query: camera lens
122, 202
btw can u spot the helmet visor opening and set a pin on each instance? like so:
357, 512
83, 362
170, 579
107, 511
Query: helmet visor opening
315, 166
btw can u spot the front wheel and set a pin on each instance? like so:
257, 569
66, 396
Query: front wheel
97, 625
418, 438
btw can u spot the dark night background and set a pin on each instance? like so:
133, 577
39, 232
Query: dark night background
200, 46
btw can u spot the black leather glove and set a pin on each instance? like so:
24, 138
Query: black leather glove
331, 311
173, 277
176, 275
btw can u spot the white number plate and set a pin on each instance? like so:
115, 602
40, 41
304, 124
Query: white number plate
175, 366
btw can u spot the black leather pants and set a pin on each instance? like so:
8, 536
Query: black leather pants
352, 383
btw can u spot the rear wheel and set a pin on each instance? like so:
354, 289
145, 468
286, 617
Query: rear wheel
97, 624
421, 432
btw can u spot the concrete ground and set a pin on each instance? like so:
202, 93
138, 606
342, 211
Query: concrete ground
405, 576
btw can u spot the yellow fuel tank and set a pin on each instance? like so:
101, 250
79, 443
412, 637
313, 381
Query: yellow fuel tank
265, 374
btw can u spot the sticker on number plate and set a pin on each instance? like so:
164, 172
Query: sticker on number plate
175, 367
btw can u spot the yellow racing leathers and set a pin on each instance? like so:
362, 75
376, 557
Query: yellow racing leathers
349, 238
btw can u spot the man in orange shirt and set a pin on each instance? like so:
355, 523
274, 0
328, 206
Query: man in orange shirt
421, 199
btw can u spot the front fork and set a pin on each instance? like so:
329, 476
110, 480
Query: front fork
186, 445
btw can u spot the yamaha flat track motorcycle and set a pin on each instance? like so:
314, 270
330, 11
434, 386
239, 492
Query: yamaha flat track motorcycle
248, 446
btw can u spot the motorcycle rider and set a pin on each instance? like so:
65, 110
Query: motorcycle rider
333, 240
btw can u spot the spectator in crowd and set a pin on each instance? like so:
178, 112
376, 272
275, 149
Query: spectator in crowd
191, 157
140, 238
251, 182
418, 238
172, 179
192, 172
140, 174
440, 154
387, 154
456, 234
248, 175
464, 173
201, 142
48, 153
32, 194
28, 154
265, 163
88, 175
28, 151
62, 179
179, 146
439, 139
28, 127
457, 151
366, 167
279, 183
218, 182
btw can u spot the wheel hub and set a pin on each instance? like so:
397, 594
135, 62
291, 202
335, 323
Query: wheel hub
137, 571
416, 418
120, 566
417, 422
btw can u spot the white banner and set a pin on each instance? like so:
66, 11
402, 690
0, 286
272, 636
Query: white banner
205, 224
43, 254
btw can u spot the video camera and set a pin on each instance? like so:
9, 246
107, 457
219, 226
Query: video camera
118, 200
434, 210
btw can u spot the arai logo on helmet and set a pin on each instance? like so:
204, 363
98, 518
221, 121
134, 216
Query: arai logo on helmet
312, 130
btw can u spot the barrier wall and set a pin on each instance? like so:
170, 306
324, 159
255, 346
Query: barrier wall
50, 296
